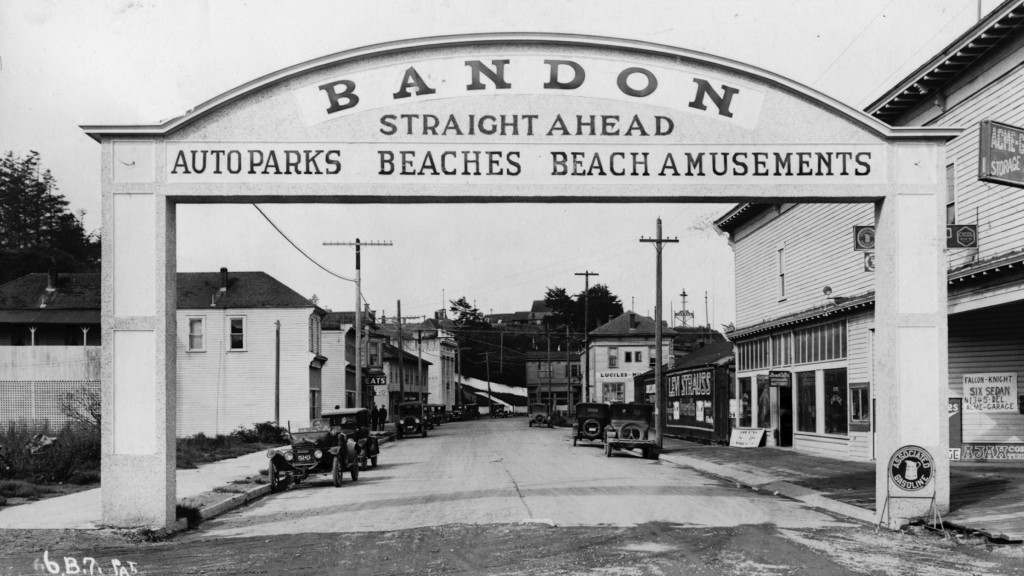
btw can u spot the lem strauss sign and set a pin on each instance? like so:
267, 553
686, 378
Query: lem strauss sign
421, 123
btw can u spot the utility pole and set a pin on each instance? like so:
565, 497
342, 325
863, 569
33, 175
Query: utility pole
551, 399
419, 365
568, 373
586, 330
401, 357
487, 361
359, 313
660, 401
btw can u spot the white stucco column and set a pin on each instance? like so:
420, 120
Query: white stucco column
910, 370
138, 362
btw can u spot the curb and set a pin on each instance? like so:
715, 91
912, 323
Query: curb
777, 486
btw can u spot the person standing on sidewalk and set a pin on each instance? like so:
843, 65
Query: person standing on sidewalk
374, 418
383, 415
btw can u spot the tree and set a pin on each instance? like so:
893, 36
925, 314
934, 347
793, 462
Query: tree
601, 305
466, 314
36, 229
563, 309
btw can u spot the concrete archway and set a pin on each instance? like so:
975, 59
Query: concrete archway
511, 118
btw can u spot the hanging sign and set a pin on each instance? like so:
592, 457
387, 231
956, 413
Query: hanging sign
961, 236
1001, 154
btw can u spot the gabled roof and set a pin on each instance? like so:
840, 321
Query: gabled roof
201, 290
75, 291
714, 354
391, 353
631, 324
539, 307
990, 33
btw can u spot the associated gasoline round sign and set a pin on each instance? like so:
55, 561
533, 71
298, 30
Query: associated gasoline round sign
911, 468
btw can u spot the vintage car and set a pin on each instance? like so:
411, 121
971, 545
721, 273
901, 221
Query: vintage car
631, 427
466, 412
437, 413
539, 414
499, 411
411, 419
355, 423
319, 449
591, 420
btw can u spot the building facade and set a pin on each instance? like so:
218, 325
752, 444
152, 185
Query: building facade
620, 350
554, 378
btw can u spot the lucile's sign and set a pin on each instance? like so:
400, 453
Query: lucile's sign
460, 120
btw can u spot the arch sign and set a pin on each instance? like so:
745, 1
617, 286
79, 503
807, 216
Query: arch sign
507, 117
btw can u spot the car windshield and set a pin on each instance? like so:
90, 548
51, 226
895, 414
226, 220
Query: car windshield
308, 436
409, 409
632, 411
542, 408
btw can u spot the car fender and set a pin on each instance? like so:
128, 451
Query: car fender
352, 449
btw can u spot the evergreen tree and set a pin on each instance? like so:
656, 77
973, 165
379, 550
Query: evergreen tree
36, 229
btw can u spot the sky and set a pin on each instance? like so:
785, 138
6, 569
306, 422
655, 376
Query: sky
64, 64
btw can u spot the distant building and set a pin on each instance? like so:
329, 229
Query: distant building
535, 317
620, 350
339, 375
558, 372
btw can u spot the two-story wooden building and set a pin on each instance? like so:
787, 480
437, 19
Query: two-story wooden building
620, 350
805, 293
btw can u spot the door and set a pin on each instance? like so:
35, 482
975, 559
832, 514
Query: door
785, 415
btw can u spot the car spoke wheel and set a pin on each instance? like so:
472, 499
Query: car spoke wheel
275, 482
336, 471
354, 472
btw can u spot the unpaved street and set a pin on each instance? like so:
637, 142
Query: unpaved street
500, 471
497, 497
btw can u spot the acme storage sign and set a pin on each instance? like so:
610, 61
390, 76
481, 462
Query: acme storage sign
1001, 154
523, 119
996, 392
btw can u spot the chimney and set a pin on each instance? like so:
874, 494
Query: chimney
223, 279
51, 280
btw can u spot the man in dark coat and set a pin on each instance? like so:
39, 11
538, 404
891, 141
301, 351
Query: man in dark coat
374, 417
383, 415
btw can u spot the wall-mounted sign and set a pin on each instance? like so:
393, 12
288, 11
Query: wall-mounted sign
911, 468
863, 238
869, 261
616, 374
1001, 154
962, 236
375, 380
992, 452
780, 378
996, 392
380, 391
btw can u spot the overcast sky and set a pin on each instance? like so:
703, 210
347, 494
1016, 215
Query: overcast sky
67, 63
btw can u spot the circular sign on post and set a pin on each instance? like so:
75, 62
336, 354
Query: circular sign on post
911, 468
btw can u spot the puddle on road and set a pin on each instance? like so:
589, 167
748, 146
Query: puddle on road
653, 547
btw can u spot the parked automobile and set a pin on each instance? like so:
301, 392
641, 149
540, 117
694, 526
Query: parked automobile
411, 419
591, 420
436, 414
631, 427
539, 414
456, 414
355, 423
319, 449
499, 411
467, 411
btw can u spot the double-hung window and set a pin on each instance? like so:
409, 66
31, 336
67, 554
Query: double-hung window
196, 335
237, 332
613, 357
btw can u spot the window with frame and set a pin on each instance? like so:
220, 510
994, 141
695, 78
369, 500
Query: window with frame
613, 392
820, 343
650, 356
613, 357
835, 401
860, 407
314, 334
782, 349
780, 262
237, 332
638, 356
744, 403
753, 354
951, 194
806, 402
196, 335
627, 357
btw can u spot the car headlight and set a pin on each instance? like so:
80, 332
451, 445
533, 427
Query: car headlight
289, 456
318, 454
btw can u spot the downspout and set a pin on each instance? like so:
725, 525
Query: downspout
277, 372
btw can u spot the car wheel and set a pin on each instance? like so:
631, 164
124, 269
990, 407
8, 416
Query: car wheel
275, 482
373, 461
354, 471
608, 450
398, 435
297, 479
654, 453
336, 471
646, 453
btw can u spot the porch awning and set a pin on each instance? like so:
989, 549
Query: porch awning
43, 316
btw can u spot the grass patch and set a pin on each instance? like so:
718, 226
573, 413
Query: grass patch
21, 489
201, 449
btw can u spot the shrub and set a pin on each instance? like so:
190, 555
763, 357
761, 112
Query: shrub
20, 489
77, 448
262, 433
190, 513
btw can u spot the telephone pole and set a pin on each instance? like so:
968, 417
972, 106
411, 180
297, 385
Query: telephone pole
359, 313
586, 330
487, 361
660, 401
419, 365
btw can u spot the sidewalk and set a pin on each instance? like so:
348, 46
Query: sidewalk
986, 498
83, 510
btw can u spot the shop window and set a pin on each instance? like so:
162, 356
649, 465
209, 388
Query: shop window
806, 402
744, 403
820, 343
613, 392
613, 357
836, 402
860, 407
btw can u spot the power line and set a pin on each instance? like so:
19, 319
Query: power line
301, 251
854, 41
